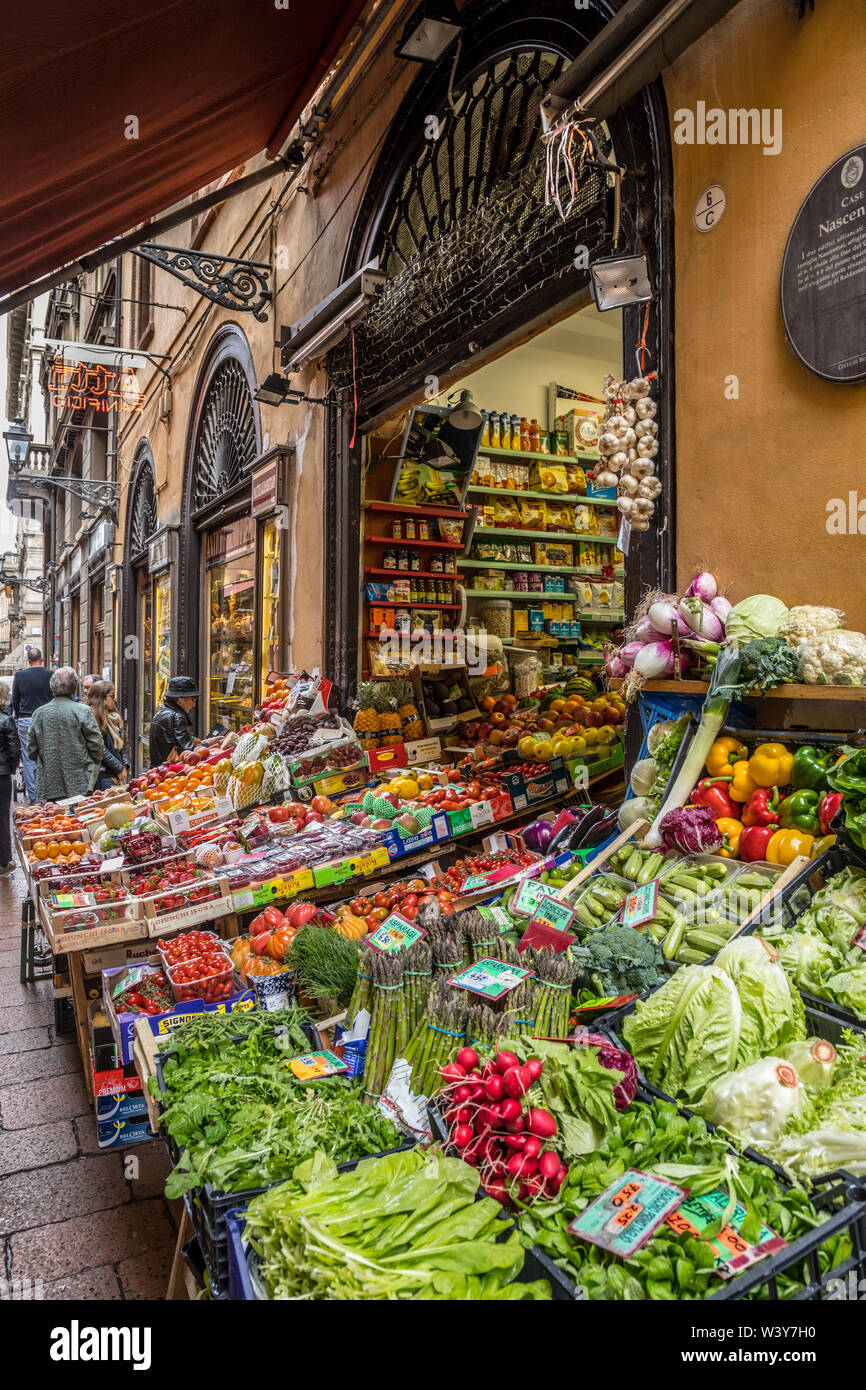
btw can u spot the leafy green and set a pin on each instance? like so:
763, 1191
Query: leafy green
819, 953
404, 1226
243, 1120
665, 754
577, 1090
710, 1019
326, 963
765, 663
670, 1266
203, 1031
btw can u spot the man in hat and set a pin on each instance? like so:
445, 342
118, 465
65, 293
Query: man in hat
170, 728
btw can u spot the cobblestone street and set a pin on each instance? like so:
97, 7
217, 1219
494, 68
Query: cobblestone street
68, 1214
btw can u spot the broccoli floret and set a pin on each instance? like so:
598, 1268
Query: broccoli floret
618, 960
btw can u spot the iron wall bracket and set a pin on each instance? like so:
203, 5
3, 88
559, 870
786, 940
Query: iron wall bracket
235, 284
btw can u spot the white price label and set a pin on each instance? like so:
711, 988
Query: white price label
178, 821
223, 807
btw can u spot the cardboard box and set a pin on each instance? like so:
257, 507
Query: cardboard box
161, 923
120, 1133
529, 791
480, 813
384, 759
163, 1025
113, 957
397, 846
422, 750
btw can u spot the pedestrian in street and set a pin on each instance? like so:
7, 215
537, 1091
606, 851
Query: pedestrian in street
64, 742
10, 753
100, 698
5, 706
31, 688
87, 682
170, 727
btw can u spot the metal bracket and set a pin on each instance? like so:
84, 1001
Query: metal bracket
104, 495
42, 586
241, 285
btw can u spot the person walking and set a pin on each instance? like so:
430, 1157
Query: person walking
10, 753
100, 698
5, 706
64, 742
31, 689
170, 727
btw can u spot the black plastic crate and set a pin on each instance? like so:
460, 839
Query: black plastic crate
64, 1015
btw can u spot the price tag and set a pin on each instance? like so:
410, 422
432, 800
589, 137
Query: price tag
640, 906
732, 1253
230, 681
71, 800
490, 978
223, 807
473, 883
65, 901
481, 813
550, 912
178, 821
395, 932
111, 866
497, 914
627, 1212
314, 1065
859, 938
527, 897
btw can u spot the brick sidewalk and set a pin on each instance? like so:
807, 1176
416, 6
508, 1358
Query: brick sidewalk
68, 1214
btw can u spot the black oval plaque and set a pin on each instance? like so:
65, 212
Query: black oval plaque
823, 285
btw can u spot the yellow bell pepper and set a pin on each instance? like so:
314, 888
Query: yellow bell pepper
722, 754
731, 830
742, 784
787, 844
770, 765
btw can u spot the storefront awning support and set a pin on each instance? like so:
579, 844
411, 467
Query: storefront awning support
236, 284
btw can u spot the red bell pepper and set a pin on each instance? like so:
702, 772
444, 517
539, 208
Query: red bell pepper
762, 807
714, 795
830, 804
754, 841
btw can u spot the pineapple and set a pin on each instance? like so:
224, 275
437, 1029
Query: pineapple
410, 719
366, 721
390, 725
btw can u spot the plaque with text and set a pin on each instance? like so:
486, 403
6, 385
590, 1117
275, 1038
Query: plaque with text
823, 286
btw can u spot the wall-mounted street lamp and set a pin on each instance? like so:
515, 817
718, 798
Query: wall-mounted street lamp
429, 32
18, 440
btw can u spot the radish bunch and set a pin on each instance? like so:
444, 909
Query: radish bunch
495, 1127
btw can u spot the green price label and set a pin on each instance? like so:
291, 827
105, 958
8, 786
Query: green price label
640, 906
733, 1254
550, 912
627, 1212
528, 896
497, 914
394, 933
490, 978
473, 883
314, 1065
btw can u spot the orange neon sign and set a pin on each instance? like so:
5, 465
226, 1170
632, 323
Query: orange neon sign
92, 386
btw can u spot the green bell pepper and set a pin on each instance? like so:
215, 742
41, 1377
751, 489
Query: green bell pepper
810, 768
799, 811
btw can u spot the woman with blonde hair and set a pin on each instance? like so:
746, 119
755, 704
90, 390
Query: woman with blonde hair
100, 698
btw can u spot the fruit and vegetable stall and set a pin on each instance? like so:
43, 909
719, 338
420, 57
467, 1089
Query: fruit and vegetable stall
456, 1005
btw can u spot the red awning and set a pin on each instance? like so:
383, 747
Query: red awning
210, 82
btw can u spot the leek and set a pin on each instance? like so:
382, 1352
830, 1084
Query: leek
713, 716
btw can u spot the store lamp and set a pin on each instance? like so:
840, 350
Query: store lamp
277, 390
465, 415
18, 440
437, 455
617, 282
429, 32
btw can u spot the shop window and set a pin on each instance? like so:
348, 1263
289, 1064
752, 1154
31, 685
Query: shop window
230, 595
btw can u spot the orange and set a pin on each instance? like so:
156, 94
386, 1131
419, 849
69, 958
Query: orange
65, 847
53, 849
40, 850
78, 847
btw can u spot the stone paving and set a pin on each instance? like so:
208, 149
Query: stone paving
68, 1214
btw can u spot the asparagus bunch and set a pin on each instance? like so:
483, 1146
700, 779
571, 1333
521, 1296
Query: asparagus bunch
446, 1025
362, 994
447, 948
417, 971
518, 1016
555, 976
389, 1023
482, 935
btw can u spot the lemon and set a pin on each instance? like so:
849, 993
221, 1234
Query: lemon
590, 737
544, 751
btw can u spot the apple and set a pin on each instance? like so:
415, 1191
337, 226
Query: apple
358, 817
380, 824
497, 717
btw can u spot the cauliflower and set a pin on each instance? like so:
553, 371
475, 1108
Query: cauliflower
806, 621
834, 658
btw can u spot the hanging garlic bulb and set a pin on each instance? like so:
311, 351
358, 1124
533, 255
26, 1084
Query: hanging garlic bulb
629, 414
628, 437
641, 468
628, 484
618, 460
605, 477
624, 505
608, 443
645, 408
642, 507
647, 447
649, 487
646, 427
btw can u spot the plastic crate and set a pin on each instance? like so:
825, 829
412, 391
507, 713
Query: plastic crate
653, 708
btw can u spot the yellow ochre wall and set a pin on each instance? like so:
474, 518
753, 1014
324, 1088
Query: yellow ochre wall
754, 475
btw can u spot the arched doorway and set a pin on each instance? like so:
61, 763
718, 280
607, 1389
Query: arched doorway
217, 581
477, 263
146, 660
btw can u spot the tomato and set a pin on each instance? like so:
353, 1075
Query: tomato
278, 814
322, 804
358, 906
416, 885
409, 903
380, 900
379, 914
370, 923
296, 809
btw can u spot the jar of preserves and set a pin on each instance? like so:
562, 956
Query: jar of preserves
389, 559
397, 529
410, 528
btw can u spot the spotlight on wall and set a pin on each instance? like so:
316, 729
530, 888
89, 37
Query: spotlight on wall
429, 32
465, 414
619, 281
277, 390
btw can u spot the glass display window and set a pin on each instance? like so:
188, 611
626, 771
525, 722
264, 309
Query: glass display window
270, 576
230, 638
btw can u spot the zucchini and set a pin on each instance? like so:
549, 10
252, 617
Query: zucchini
689, 956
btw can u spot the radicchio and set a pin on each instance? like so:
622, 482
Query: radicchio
691, 829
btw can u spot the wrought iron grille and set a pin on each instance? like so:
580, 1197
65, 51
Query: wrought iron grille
226, 440
143, 516
469, 238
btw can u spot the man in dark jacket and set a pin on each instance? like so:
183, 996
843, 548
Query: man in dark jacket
10, 753
31, 689
170, 728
